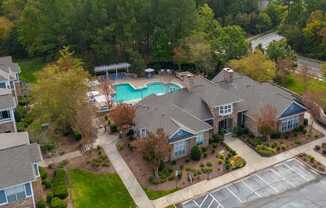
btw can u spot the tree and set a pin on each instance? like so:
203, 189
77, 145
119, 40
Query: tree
256, 66
154, 148
267, 121
5, 28
280, 50
263, 22
123, 115
107, 90
59, 93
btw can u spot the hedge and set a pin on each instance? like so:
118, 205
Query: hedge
59, 184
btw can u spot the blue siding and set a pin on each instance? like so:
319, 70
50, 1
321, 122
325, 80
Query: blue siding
181, 134
2, 197
292, 110
28, 189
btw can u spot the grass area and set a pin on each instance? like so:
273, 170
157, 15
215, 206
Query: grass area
29, 67
158, 194
296, 83
98, 190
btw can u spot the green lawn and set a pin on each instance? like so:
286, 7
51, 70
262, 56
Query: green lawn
296, 83
98, 190
29, 67
158, 194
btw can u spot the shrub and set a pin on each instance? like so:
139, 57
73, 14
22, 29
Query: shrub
276, 135
297, 142
323, 152
265, 150
40, 204
47, 183
49, 197
239, 131
113, 128
57, 203
59, 185
195, 153
209, 164
43, 173
317, 148
77, 136
237, 162
205, 155
203, 149
47, 147
216, 138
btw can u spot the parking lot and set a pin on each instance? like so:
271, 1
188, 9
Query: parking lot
274, 180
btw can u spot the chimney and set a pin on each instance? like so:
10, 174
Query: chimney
227, 74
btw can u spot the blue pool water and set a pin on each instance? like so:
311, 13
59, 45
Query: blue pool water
126, 92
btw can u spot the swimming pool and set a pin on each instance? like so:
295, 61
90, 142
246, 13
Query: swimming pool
125, 92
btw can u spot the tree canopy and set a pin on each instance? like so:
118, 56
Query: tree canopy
255, 65
59, 94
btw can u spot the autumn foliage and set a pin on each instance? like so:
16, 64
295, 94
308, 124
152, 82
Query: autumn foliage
123, 115
154, 148
267, 121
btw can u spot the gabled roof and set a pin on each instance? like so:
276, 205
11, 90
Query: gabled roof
293, 109
16, 159
180, 134
255, 95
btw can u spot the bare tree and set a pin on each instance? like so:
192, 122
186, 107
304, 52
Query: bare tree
267, 121
154, 148
305, 75
107, 90
84, 122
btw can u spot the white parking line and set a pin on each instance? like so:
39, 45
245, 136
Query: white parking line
196, 203
296, 172
204, 200
283, 178
250, 188
270, 185
234, 194
219, 204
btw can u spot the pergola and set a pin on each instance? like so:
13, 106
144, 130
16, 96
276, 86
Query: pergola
111, 68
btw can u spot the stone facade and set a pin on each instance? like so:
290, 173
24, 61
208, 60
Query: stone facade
7, 127
27, 203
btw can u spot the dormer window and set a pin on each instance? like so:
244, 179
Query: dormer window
225, 110
36, 170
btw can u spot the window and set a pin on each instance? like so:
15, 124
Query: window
3, 85
28, 189
200, 139
36, 170
179, 149
143, 132
16, 193
290, 123
225, 110
3, 199
4, 115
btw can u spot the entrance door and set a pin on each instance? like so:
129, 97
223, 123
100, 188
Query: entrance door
225, 125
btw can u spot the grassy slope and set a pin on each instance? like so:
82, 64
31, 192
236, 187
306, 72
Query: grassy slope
98, 190
296, 84
29, 67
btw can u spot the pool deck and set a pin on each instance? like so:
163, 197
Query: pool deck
140, 82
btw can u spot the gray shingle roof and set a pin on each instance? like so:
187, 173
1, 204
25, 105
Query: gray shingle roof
8, 140
8, 68
16, 164
7, 100
256, 95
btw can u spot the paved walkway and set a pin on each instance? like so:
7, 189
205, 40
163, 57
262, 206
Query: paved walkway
70, 155
108, 143
254, 163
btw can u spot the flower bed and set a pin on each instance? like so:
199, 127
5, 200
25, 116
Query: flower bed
214, 160
321, 149
280, 142
312, 162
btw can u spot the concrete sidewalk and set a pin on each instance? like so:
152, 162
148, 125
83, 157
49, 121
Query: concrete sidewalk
254, 163
108, 143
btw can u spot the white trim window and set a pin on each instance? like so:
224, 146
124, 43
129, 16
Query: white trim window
143, 132
290, 123
225, 110
200, 139
5, 115
36, 169
16, 194
179, 149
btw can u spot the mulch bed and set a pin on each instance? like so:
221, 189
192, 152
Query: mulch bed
312, 162
209, 166
282, 144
